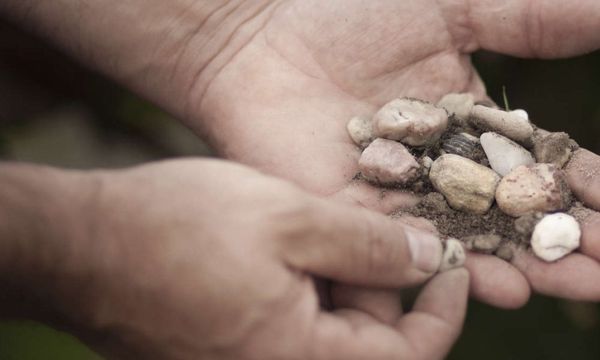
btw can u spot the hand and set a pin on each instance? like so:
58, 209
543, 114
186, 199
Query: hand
577, 276
282, 103
205, 260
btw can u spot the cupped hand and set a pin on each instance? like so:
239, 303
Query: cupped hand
195, 259
577, 276
280, 102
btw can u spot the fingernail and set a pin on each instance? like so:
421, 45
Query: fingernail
425, 249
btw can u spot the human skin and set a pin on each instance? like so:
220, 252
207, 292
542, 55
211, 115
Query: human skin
203, 259
276, 84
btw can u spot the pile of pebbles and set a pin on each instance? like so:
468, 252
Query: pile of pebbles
489, 178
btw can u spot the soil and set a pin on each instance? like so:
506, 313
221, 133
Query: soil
467, 227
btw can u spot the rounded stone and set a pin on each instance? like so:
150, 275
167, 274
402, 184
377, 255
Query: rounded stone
504, 154
552, 148
533, 188
505, 252
555, 236
511, 125
459, 106
454, 255
413, 122
360, 130
466, 185
485, 244
388, 162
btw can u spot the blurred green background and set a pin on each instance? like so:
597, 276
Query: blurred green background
52, 111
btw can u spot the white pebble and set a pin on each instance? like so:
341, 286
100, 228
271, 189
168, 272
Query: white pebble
522, 113
504, 154
555, 236
454, 255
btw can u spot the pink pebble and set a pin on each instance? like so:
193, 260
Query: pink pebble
388, 162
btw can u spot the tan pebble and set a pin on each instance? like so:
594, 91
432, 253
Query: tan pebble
466, 185
511, 125
533, 188
454, 255
410, 121
525, 224
505, 252
552, 148
360, 130
388, 162
459, 106
485, 244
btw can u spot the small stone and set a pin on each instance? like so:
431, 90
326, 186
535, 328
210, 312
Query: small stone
525, 224
459, 106
511, 125
360, 130
531, 188
454, 255
388, 162
435, 203
410, 121
485, 244
552, 148
464, 145
520, 112
556, 236
505, 252
466, 185
504, 154
425, 163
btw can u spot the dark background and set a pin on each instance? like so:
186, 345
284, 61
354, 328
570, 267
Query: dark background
53, 111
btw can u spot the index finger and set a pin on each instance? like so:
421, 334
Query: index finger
427, 332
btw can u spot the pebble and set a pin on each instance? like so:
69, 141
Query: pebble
466, 185
388, 162
525, 224
463, 144
459, 106
413, 122
485, 244
454, 255
511, 125
555, 236
520, 112
531, 188
505, 252
504, 154
552, 148
360, 130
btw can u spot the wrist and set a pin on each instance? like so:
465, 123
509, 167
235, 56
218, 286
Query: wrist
42, 236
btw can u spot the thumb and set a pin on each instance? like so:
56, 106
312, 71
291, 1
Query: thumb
358, 246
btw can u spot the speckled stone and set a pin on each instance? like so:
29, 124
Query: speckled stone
388, 162
532, 188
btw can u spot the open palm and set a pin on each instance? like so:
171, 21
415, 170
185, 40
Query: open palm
283, 98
